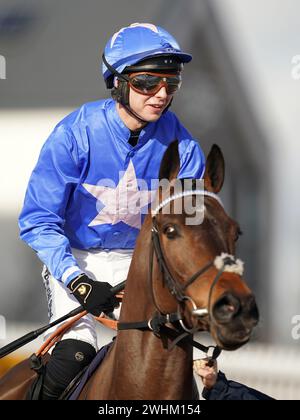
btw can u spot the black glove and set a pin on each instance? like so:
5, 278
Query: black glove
94, 296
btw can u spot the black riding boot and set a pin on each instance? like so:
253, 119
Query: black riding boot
68, 358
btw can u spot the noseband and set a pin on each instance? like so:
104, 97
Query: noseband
224, 262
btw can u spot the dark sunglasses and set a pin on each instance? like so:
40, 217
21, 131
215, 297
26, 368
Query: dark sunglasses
150, 83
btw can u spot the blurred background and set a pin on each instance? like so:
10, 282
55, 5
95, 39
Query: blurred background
241, 91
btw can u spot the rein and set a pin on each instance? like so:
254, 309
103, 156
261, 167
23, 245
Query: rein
157, 324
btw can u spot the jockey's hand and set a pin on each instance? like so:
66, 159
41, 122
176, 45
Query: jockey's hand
94, 296
207, 369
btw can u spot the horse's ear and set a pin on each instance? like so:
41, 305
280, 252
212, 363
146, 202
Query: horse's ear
170, 163
215, 170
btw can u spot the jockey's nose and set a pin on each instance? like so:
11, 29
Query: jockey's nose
230, 306
162, 93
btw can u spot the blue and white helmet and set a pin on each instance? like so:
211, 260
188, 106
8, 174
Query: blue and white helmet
138, 42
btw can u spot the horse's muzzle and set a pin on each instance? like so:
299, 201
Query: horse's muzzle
233, 320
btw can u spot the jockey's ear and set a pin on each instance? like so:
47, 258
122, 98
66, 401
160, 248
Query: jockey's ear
215, 170
170, 163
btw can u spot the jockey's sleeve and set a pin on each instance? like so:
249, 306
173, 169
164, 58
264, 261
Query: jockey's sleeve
192, 161
230, 390
41, 221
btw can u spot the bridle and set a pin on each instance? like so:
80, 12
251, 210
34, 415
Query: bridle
224, 262
177, 289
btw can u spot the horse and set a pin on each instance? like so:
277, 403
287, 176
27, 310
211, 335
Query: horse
182, 279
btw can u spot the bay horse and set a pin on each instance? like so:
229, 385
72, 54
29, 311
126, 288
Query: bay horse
175, 272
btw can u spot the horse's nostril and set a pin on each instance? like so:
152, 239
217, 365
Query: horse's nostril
251, 309
226, 308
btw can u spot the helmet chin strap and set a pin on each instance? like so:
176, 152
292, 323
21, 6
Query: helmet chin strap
120, 98
135, 115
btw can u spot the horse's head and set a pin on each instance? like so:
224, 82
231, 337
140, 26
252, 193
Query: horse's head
197, 260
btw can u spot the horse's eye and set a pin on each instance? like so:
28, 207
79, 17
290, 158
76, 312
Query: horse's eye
238, 234
170, 231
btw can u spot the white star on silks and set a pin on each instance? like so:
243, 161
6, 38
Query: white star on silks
123, 203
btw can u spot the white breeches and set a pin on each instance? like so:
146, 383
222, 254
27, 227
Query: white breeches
107, 266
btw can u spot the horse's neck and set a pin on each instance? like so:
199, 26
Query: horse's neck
139, 367
137, 304
156, 372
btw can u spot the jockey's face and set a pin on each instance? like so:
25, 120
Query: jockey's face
149, 108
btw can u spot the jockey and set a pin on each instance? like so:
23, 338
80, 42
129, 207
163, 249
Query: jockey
80, 212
